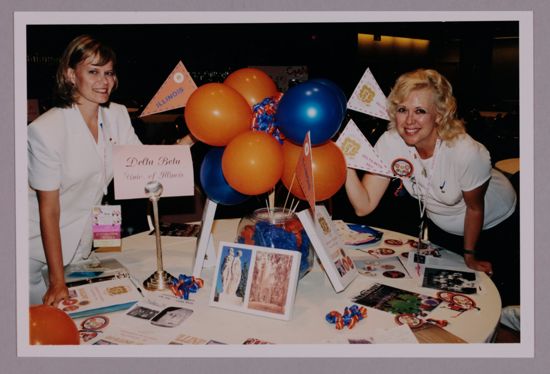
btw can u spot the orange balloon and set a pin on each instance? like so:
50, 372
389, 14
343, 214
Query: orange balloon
215, 113
253, 162
51, 326
253, 84
329, 169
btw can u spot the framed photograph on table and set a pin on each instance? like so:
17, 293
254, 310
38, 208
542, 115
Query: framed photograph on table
255, 280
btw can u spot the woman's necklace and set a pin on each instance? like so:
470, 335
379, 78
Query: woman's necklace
421, 189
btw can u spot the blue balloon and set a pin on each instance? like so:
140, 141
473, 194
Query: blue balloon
213, 182
309, 106
337, 90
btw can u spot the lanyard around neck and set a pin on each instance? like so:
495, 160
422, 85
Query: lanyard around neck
427, 174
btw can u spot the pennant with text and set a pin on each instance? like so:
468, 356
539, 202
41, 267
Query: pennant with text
359, 153
173, 93
304, 172
368, 98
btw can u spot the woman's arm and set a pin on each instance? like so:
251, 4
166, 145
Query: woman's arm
365, 194
49, 210
473, 224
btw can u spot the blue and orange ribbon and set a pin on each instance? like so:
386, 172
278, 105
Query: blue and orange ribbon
185, 285
351, 316
263, 117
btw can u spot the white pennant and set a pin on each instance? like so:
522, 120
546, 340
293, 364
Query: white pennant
359, 153
368, 98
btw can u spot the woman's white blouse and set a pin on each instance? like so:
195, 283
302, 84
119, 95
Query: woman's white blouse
63, 155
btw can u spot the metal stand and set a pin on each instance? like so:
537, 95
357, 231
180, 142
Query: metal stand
159, 280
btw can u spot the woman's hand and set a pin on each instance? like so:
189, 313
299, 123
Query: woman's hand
55, 294
479, 265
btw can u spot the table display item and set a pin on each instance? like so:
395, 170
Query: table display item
396, 301
356, 234
159, 280
450, 280
255, 280
277, 228
100, 297
349, 318
337, 264
184, 285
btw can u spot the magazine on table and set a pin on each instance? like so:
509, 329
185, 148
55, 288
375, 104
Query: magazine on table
91, 271
395, 300
100, 297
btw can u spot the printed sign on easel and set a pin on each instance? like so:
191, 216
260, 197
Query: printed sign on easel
328, 245
368, 98
359, 153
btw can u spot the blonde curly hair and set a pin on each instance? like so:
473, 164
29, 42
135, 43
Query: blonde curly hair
449, 127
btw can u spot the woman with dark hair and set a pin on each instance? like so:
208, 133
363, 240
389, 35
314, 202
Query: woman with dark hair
70, 154
470, 206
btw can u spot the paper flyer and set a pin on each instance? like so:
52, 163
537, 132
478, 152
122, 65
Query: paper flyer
359, 153
106, 225
368, 98
173, 93
304, 172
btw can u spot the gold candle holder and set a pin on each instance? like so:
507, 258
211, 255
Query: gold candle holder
160, 279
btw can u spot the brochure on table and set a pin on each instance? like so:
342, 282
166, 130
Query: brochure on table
100, 297
90, 271
146, 322
328, 245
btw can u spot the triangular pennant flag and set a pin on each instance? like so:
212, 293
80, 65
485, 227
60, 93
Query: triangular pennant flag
359, 153
173, 93
304, 172
368, 98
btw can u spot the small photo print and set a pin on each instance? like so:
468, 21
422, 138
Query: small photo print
232, 276
343, 263
171, 316
142, 312
270, 281
450, 280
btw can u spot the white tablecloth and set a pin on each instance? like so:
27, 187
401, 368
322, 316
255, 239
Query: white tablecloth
314, 299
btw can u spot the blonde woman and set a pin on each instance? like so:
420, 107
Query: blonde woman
469, 204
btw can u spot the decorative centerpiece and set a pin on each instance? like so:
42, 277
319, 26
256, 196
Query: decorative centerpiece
277, 228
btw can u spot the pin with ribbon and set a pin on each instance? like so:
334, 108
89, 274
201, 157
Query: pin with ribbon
263, 117
351, 316
184, 285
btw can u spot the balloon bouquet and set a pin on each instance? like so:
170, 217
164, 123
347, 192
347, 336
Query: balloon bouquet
257, 135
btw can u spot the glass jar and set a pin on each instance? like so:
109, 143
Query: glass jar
277, 228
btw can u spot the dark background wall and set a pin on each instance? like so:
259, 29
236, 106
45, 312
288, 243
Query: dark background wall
481, 60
